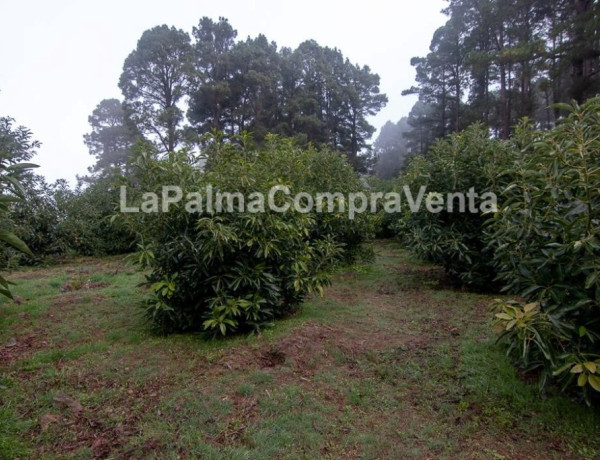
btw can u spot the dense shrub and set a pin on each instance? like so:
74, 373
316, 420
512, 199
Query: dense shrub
52, 219
542, 244
55, 221
456, 240
546, 248
86, 226
225, 272
384, 223
38, 227
16, 149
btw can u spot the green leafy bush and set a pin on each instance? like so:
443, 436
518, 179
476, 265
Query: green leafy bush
542, 243
86, 227
384, 223
16, 149
546, 245
458, 241
55, 220
226, 272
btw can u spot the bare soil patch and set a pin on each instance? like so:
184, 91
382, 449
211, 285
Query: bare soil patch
22, 346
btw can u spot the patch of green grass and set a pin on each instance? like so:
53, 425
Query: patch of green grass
57, 283
494, 386
245, 389
261, 378
11, 446
41, 359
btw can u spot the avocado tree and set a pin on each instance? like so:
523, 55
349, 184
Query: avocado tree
16, 149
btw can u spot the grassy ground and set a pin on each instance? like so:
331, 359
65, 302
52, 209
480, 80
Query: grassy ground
390, 363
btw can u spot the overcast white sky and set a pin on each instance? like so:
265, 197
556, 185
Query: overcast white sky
58, 59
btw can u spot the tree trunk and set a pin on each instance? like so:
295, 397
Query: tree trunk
584, 62
504, 115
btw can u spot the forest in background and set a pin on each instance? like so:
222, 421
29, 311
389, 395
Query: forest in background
312, 94
496, 62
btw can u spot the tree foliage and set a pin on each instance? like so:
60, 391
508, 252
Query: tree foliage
312, 93
391, 148
496, 62
456, 239
227, 272
541, 243
546, 247
55, 221
154, 82
16, 148
111, 138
